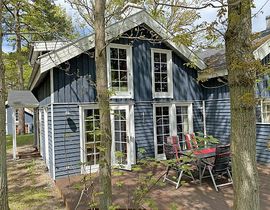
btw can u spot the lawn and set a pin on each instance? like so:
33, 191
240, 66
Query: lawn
30, 187
22, 140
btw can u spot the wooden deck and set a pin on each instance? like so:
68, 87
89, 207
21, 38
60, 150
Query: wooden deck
192, 196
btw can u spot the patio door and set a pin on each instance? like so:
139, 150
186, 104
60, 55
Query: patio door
123, 154
171, 120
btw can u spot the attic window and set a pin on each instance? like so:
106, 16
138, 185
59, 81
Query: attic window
161, 73
120, 70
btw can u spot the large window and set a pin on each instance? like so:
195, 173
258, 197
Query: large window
162, 83
92, 140
171, 120
120, 70
265, 110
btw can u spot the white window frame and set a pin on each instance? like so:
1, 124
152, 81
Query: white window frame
130, 92
173, 126
168, 94
89, 168
95, 168
263, 102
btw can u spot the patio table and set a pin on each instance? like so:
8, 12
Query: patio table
200, 154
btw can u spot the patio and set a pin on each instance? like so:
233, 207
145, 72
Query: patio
190, 196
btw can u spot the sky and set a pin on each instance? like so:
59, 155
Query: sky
262, 10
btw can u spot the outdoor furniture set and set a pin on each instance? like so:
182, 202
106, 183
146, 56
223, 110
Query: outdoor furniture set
189, 157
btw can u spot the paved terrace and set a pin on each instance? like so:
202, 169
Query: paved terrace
191, 196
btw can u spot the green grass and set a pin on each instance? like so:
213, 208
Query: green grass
21, 140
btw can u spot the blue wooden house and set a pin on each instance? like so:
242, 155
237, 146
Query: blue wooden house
28, 114
155, 95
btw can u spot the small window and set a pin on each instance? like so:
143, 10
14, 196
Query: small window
266, 111
120, 70
162, 83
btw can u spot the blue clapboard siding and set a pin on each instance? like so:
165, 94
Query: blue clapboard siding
76, 83
66, 140
42, 91
50, 142
218, 119
197, 116
185, 85
263, 140
215, 89
144, 129
42, 135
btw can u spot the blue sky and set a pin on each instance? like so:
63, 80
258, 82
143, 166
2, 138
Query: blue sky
208, 14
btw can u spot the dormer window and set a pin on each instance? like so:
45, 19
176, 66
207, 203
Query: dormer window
120, 70
162, 83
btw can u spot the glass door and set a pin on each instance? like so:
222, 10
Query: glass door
121, 150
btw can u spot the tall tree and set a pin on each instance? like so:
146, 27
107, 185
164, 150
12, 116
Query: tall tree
29, 20
242, 79
3, 166
19, 62
105, 200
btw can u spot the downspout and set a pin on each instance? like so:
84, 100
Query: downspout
204, 118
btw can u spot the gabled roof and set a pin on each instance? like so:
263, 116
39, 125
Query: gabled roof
55, 57
22, 99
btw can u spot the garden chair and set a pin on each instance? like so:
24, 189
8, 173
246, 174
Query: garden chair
220, 166
172, 149
191, 142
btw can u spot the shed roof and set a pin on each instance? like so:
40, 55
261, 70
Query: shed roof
22, 99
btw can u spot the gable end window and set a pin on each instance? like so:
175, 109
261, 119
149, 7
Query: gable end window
119, 63
162, 83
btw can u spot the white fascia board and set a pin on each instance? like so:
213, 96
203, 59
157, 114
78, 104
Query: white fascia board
58, 56
35, 79
207, 75
262, 50
29, 111
48, 45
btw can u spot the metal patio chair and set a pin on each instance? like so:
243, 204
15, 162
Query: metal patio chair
172, 149
220, 166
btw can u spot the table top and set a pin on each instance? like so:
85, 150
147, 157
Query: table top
202, 152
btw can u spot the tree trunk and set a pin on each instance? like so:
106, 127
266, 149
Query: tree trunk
242, 80
3, 165
104, 106
19, 57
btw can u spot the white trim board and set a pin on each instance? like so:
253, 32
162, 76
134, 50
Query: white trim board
71, 50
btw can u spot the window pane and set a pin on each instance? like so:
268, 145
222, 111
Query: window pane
115, 76
164, 78
164, 87
123, 65
156, 57
114, 52
163, 57
164, 67
157, 67
122, 53
157, 87
114, 64
123, 76
165, 110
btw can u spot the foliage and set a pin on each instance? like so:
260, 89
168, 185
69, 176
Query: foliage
205, 140
22, 140
12, 79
